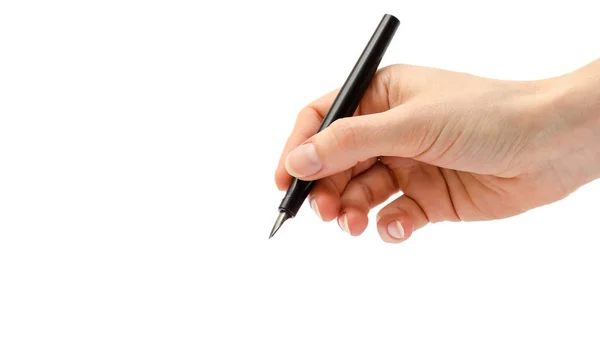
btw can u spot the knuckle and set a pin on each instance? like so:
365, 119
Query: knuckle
342, 133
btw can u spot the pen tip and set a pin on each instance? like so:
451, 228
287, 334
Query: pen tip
280, 220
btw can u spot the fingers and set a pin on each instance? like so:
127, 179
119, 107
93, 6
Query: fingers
428, 187
364, 192
307, 123
427, 198
325, 198
398, 220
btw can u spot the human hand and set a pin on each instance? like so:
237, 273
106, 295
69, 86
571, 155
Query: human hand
459, 147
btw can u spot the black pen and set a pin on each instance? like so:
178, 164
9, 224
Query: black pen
344, 105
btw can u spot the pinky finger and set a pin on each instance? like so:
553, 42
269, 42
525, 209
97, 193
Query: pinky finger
399, 219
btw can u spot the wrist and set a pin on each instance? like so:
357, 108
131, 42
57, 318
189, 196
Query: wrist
576, 95
571, 126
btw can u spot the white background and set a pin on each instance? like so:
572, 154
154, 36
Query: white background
136, 175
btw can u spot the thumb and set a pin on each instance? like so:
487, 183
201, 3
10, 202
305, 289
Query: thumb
342, 145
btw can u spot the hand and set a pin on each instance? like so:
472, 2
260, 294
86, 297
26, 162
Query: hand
459, 147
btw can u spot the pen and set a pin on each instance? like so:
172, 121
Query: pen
344, 105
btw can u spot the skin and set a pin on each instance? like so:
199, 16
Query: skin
455, 146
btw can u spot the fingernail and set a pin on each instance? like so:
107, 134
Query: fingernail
313, 205
303, 161
395, 230
343, 223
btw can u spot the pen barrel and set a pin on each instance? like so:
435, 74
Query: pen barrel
351, 93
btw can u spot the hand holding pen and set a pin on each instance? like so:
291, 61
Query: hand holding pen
456, 146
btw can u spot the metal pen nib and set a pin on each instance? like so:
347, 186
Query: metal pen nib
280, 220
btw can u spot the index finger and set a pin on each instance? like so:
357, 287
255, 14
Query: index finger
307, 123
